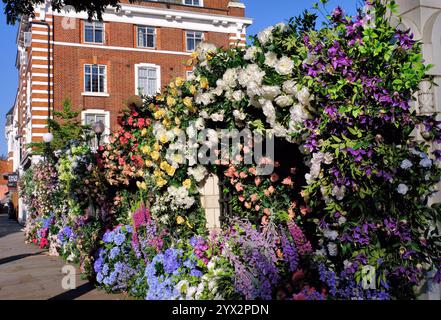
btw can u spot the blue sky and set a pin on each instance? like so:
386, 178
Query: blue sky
264, 13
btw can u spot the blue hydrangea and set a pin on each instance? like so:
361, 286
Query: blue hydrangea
114, 252
119, 239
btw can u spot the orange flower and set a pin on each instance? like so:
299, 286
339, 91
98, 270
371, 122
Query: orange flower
254, 198
239, 187
257, 181
274, 177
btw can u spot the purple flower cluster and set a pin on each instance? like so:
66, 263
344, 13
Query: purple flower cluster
302, 244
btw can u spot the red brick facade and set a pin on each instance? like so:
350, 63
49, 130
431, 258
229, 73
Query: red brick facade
221, 22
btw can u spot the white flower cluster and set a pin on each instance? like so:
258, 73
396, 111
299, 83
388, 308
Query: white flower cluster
179, 198
207, 288
315, 165
198, 173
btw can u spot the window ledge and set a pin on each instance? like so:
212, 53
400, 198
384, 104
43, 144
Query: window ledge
95, 94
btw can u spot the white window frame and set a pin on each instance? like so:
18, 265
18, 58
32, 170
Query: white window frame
201, 3
186, 39
93, 93
155, 37
94, 22
158, 75
106, 133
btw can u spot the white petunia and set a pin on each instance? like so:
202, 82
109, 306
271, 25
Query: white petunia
284, 66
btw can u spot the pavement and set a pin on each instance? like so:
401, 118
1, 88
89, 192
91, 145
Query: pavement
28, 273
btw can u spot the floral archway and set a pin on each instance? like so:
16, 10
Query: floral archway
347, 196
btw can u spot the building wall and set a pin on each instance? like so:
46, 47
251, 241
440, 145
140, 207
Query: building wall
221, 22
423, 17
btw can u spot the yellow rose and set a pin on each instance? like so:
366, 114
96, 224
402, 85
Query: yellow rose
157, 173
156, 146
171, 101
171, 85
192, 89
204, 83
166, 123
148, 163
145, 149
144, 132
163, 139
155, 155
187, 183
164, 166
159, 114
177, 121
171, 171
160, 182
187, 102
141, 185
180, 220
179, 81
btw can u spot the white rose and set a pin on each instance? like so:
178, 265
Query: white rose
284, 66
270, 92
239, 115
266, 35
290, 87
251, 52
238, 95
304, 96
271, 59
230, 78
284, 101
282, 26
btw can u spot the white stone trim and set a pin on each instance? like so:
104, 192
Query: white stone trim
104, 47
41, 100
159, 17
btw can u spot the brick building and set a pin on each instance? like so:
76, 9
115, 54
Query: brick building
98, 65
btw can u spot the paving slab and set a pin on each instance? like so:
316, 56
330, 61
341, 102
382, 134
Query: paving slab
28, 273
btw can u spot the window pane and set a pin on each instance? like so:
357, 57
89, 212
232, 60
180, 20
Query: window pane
190, 44
101, 83
88, 35
87, 83
99, 36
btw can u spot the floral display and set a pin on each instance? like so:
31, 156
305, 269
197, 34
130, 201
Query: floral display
346, 197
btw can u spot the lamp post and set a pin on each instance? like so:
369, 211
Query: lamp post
47, 139
98, 127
